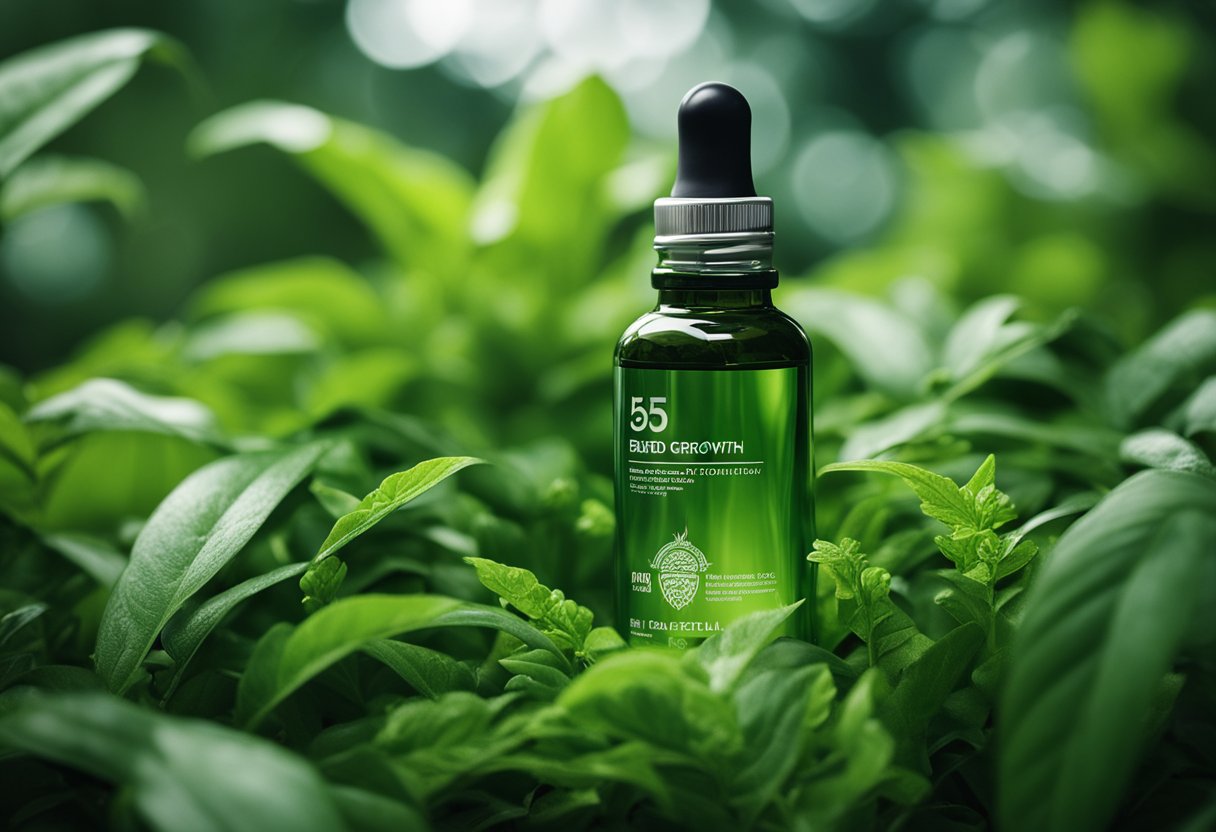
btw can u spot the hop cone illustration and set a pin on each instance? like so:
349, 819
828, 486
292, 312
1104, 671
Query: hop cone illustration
680, 565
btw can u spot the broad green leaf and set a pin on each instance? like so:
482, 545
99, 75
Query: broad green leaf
602, 641
646, 695
429, 672
16, 446
1101, 626
628, 762
137, 470
393, 493
52, 180
886, 349
46, 90
1184, 348
777, 710
923, 688
186, 631
725, 655
908, 424
1082, 437
370, 378
977, 333
1161, 448
250, 333
414, 201
1012, 341
178, 773
432, 742
367, 811
347, 625
95, 557
198, 528
325, 294
536, 672
545, 206
1199, 411
560, 618
104, 404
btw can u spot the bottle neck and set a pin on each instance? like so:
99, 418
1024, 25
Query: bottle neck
674, 299
730, 262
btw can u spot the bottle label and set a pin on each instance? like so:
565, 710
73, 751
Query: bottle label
711, 474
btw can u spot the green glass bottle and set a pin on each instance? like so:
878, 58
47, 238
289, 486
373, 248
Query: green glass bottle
712, 423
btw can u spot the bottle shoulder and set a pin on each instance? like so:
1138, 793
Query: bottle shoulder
714, 338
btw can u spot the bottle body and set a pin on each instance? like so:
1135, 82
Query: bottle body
712, 433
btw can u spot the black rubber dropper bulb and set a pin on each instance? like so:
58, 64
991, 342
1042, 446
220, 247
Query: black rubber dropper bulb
715, 144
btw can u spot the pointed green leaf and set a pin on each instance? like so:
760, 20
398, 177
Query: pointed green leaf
53, 180
185, 632
416, 202
1101, 626
334, 632
429, 672
177, 773
725, 655
198, 528
46, 90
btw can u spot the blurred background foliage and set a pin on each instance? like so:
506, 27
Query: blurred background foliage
441, 207
1060, 151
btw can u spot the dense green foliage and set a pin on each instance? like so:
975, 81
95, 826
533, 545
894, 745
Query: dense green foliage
333, 550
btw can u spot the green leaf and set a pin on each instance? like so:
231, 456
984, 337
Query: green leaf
777, 710
1101, 627
321, 582
185, 632
1199, 411
538, 673
177, 773
886, 349
429, 672
1161, 448
325, 294
198, 528
415, 202
558, 617
366, 811
544, 204
646, 695
393, 493
15, 444
53, 180
1011, 342
46, 90
868, 587
725, 655
335, 501
347, 625
923, 688
977, 333
95, 557
905, 425
257, 333
976, 505
1184, 348
104, 404
602, 641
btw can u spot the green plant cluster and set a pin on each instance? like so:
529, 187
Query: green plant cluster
213, 617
